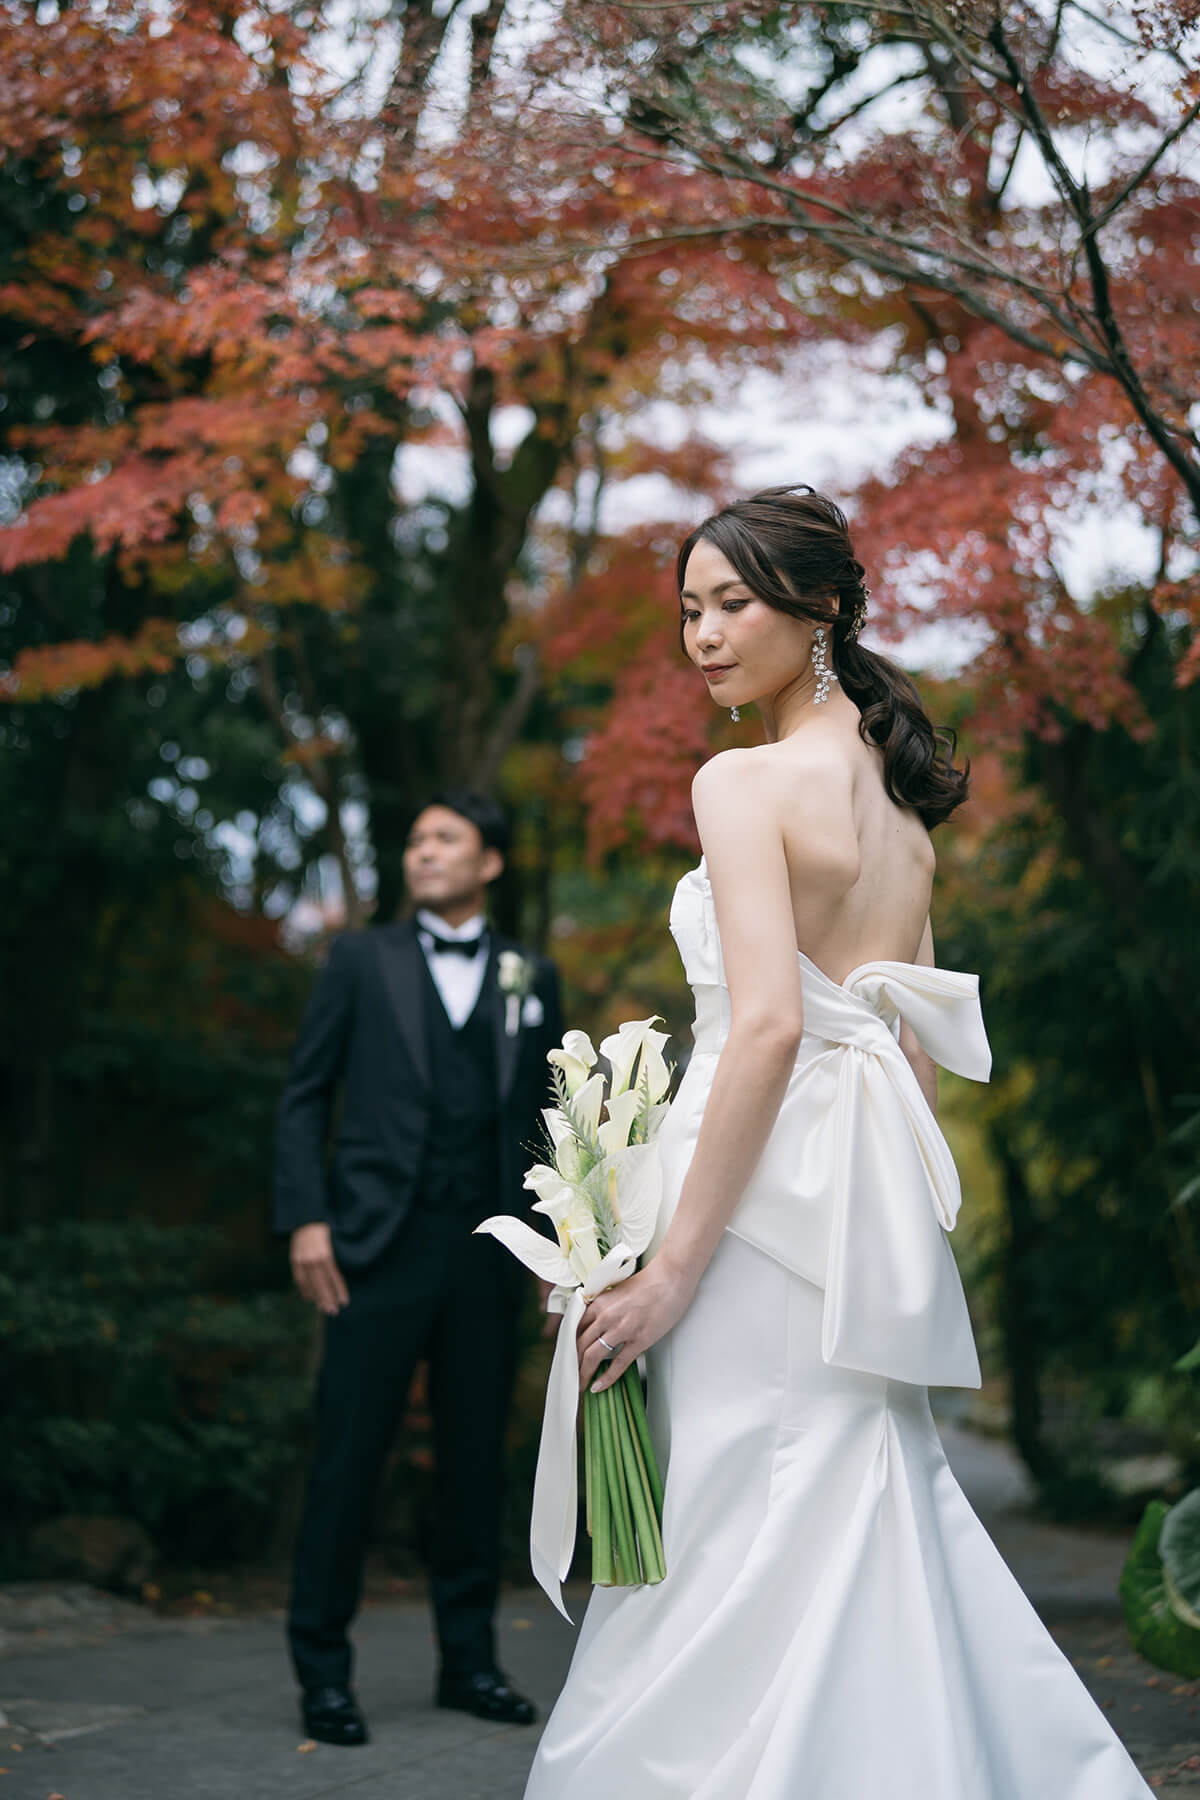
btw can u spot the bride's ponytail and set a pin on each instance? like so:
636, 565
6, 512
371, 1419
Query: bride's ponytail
792, 548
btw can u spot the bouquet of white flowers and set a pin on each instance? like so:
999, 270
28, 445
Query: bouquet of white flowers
601, 1193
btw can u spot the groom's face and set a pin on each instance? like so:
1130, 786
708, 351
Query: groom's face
447, 866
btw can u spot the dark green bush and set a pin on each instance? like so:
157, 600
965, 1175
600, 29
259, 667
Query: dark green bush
134, 1385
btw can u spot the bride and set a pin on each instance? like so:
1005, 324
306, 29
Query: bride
835, 1624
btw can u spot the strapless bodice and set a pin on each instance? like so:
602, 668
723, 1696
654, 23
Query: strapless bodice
856, 1187
941, 1005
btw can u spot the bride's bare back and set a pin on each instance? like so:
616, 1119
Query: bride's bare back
860, 867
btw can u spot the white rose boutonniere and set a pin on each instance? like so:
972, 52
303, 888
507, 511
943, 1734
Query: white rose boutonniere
515, 975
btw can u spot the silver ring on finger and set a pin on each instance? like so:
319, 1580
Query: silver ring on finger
611, 1348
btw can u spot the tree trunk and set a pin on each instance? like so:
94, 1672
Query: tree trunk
1019, 1315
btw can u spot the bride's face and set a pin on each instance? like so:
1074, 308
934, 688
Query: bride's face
745, 649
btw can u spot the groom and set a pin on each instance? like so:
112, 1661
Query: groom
434, 1034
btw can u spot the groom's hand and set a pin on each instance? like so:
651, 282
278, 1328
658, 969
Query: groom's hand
314, 1270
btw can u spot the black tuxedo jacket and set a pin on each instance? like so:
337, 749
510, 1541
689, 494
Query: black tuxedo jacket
364, 1034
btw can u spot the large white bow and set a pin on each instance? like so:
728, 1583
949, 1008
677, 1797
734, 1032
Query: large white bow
894, 1304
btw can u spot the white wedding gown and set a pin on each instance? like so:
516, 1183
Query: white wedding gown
835, 1623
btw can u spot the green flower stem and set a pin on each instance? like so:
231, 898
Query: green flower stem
614, 1468
621, 1498
587, 1462
603, 1573
620, 1570
640, 1498
631, 1382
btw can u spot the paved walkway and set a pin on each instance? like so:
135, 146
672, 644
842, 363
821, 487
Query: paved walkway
103, 1701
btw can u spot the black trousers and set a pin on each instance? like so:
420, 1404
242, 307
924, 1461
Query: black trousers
442, 1294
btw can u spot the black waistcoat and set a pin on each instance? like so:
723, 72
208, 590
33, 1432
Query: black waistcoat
461, 1149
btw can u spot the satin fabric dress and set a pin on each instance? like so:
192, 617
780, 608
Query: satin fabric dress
835, 1623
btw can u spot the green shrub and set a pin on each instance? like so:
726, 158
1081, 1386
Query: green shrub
135, 1386
1155, 1628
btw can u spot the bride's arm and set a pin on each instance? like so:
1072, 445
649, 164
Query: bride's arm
738, 816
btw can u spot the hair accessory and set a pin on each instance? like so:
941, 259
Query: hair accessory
821, 664
858, 617
734, 714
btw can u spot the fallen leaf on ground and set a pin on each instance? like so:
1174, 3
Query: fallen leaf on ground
306, 1746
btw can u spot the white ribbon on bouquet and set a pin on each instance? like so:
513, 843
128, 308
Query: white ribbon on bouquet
556, 1483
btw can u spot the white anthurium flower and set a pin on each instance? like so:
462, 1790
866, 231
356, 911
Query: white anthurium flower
634, 1181
622, 1111
576, 1059
622, 1048
530, 1247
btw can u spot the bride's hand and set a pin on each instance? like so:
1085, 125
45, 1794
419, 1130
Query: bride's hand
631, 1316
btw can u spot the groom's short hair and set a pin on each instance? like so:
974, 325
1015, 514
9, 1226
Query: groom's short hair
489, 819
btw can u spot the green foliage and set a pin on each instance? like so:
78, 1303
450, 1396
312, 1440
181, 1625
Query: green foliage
135, 1386
1072, 907
1156, 1630
1179, 1547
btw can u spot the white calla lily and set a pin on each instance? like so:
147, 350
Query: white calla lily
575, 1224
568, 1157
546, 1183
586, 1104
579, 1045
530, 1247
622, 1111
576, 1059
637, 1037
558, 1125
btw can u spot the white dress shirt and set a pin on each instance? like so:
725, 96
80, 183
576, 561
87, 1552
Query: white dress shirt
457, 979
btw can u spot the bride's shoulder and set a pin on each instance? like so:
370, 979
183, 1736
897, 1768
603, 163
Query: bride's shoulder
762, 771
797, 797
727, 769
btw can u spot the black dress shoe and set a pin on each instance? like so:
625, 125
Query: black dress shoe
487, 1695
331, 1716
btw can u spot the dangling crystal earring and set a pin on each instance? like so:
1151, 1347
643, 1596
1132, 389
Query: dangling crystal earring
734, 714
824, 673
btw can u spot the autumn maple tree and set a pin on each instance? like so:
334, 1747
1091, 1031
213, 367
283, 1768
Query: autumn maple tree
280, 425
1004, 196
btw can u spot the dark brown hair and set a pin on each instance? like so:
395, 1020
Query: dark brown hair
792, 548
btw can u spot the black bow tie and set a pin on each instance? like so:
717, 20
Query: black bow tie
468, 947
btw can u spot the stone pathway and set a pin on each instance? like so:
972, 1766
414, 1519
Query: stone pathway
102, 1700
